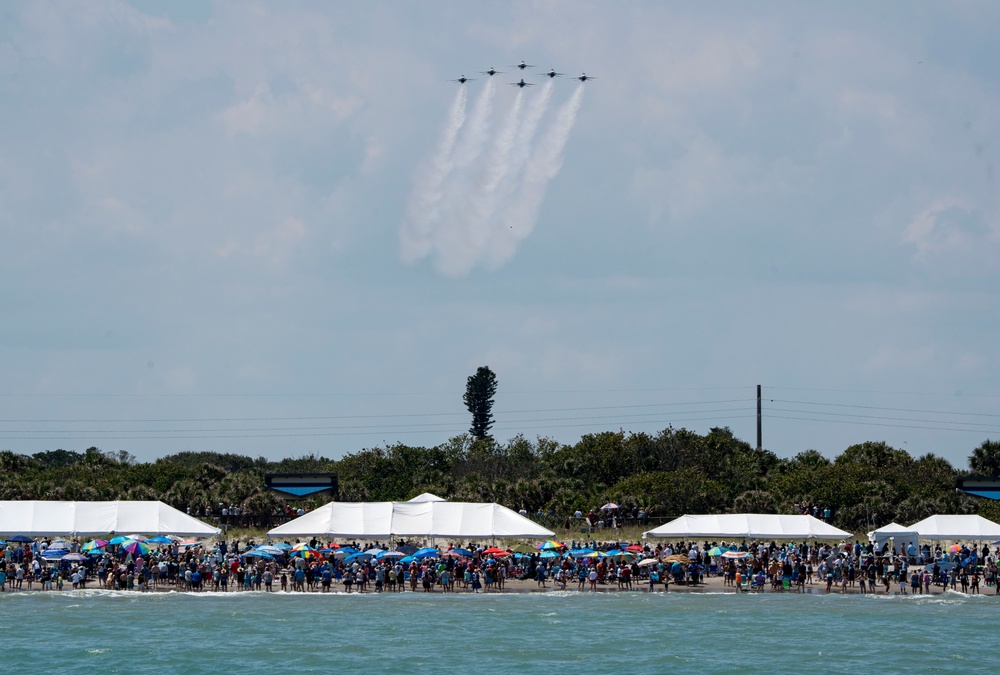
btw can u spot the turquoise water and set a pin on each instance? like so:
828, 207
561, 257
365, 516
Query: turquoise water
557, 632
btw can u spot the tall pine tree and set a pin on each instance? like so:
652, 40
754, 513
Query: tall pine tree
479, 391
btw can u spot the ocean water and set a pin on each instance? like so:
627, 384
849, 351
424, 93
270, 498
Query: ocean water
555, 632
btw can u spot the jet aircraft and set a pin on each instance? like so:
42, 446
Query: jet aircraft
522, 84
552, 73
585, 77
522, 65
462, 80
491, 72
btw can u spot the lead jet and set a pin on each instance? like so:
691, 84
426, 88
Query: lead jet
491, 72
522, 65
462, 80
522, 84
585, 77
553, 74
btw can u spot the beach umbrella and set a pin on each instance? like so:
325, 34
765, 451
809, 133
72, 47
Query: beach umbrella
160, 539
389, 555
735, 555
646, 562
954, 548
283, 545
137, 537
302, 546
189, 544
54, 554
493, 550
523, 548
136, 547
2, 542
257, 553
678, 558
74, 557
270, 550
634, 547
355, 556
20, 539
461, 551
550, 545
94, 543
427, 552
406, 549
580, 552
118, 540
716, 551
610, 506
96, 551
407, 560
60, 543
550, 554
622, 554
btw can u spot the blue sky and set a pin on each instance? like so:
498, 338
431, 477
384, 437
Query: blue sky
202, 209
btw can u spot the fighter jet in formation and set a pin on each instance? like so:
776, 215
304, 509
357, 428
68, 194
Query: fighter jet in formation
522, 84
522, 65
585, 77
491, 72
462, 80
552, 74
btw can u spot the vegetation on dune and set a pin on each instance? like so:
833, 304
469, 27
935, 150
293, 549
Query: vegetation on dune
667, 474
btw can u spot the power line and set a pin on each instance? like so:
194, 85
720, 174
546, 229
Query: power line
457, 430
885, 417
873, 407
875, 424
348, 417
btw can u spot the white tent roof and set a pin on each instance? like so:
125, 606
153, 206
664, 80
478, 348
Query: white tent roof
957, 528
380, 520
41, 518
427, 497
747, 526
901, 534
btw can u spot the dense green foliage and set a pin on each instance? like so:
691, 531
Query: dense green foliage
673, 472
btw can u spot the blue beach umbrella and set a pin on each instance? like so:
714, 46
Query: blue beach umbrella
20, 539
389, 554
119, 540
257, 553
159, 539
550, 554
96, 551
283, 546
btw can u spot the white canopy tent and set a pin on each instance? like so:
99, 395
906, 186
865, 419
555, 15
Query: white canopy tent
746, 526
957, 528
381, 520
45, 518
901, 536
427, 497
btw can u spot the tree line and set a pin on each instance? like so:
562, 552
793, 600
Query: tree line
666, 474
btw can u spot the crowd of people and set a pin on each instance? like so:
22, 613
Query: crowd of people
324, 567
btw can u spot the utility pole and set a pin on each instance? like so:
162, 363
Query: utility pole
760, 440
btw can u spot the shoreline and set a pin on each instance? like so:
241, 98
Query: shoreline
712, 585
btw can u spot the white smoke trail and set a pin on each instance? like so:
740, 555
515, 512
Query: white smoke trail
466, 229
423, 211
478, 130
542, 166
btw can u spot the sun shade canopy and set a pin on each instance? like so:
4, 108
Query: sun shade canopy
747, 526
380, 520
45, 518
